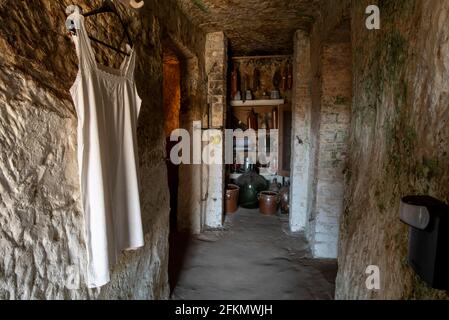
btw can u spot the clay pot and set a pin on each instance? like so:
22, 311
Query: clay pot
268, 202
232, 198
275, 186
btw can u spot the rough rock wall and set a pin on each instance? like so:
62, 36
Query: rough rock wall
398, 142
42, 249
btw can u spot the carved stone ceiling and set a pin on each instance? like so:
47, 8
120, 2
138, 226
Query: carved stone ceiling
253, 26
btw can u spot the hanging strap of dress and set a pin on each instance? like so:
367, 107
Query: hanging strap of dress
130, 64
81, 39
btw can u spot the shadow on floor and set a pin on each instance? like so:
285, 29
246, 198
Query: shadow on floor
179, 243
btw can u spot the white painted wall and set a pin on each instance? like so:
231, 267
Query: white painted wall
335, 109
319, 143
214, 203
300, 177
213, 181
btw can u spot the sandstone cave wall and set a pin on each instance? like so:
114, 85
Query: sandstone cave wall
398, 141
42, 249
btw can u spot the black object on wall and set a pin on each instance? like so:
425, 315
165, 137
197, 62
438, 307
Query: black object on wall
428, 219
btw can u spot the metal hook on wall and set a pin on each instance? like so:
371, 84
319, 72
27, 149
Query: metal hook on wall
133, 3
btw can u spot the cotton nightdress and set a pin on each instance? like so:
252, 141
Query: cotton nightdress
107, 106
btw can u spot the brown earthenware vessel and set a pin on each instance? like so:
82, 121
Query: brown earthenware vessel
268, 202
232, 198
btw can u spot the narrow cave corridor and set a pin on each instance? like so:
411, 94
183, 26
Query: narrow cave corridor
252, 258
280, 150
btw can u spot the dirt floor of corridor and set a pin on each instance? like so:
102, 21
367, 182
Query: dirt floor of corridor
254, 257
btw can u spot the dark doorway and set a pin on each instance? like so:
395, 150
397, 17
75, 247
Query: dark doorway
172, 105
172, 87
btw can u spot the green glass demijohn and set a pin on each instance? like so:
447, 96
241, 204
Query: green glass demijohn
251, 184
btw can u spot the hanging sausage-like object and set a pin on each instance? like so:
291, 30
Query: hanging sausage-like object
256, 80
234, 83
284, 78
244, 86
277, 78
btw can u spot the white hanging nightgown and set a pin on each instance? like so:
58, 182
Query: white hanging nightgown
107, 106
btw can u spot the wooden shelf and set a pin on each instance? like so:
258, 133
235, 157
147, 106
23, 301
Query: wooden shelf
255, 103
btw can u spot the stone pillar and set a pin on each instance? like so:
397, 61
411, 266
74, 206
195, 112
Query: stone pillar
213, 182
300, 200
190, 182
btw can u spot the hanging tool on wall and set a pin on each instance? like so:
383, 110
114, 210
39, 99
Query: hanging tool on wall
256, 79
289, 76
